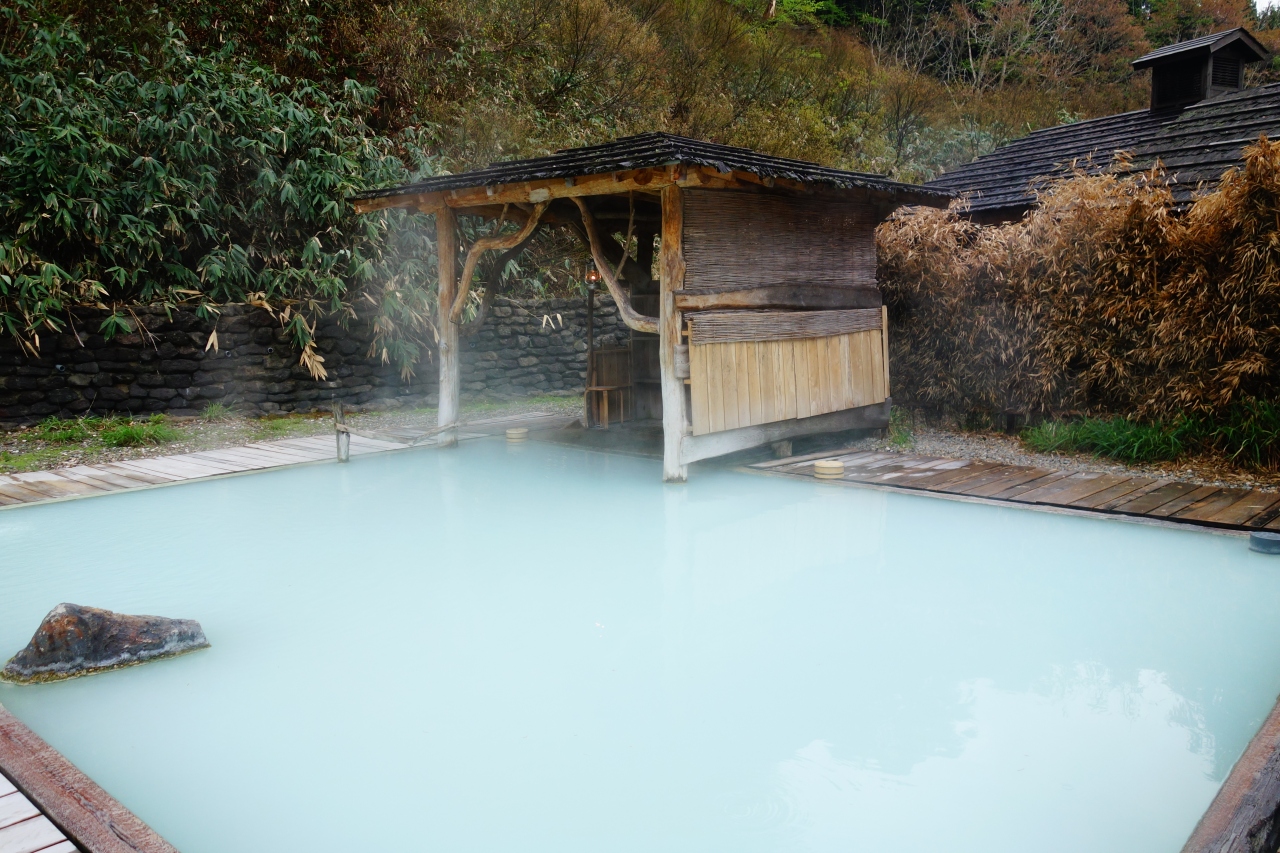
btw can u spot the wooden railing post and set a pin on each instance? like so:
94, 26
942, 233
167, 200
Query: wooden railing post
447, 252
674, 417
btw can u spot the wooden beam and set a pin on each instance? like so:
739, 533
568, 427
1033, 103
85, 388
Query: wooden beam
793, 296
87, 814
675, 420
450, 377
697, 447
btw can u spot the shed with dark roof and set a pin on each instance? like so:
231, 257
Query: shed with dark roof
1199, 122
765, 322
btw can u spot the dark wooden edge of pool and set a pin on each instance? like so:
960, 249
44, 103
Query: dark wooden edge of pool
1244, 817
89, 816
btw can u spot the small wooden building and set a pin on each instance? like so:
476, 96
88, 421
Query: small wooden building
765, 322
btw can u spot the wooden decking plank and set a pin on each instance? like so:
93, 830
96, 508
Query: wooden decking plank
111, 478
149, 477
38, 491
1183, 501
1206, 508
959, 478
146, 468
61, 847
1016, 492
904, 461
1048, 488
999, 479
57, 481
297, 455
6, 787
222, 466
15, 808
1145, 489
932, 478
906, 472
250, 456
1155, 498
30, 836
1126, 486
1246, 509
101, 484
806, 457
1085, 489
240, 461
168, 465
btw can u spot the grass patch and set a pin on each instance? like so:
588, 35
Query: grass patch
76, 431
154, 430
215, 412
36, 460
1115, 438
901, 428
1247, 434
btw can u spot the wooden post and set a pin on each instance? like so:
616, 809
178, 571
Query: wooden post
447, 251
591, 345
342, 436
674, 417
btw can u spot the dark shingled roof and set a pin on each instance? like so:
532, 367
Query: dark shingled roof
1203, 45
664, 149
1004, 177
1196, 145
1209, 138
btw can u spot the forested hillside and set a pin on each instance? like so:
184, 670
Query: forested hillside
200, 151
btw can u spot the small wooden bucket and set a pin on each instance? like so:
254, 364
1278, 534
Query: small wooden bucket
517, 434
828, 469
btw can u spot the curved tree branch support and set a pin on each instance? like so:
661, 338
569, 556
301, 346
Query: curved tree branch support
633, 318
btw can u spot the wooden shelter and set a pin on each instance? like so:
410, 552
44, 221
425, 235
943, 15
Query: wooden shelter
765, 321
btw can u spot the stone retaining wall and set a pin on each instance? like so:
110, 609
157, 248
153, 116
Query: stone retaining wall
525, 348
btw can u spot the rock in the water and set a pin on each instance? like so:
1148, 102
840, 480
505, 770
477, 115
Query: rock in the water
74, 640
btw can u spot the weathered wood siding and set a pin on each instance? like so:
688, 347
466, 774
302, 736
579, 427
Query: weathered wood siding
718, 327
744, 383
750, 238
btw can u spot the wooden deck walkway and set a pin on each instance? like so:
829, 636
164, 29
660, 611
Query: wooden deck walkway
1112, 494
87, 480
24, 828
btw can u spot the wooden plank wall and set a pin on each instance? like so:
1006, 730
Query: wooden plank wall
738, 238
745, 383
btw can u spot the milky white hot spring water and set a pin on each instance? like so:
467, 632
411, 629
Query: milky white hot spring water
533, 648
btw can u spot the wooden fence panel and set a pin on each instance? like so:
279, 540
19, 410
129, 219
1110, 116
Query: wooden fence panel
745, 383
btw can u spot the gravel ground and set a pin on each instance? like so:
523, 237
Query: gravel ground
24, 450
1007, 449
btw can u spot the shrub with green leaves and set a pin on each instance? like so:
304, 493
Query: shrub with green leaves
181, 178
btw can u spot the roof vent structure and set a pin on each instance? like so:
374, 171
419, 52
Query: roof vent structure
1188, 72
